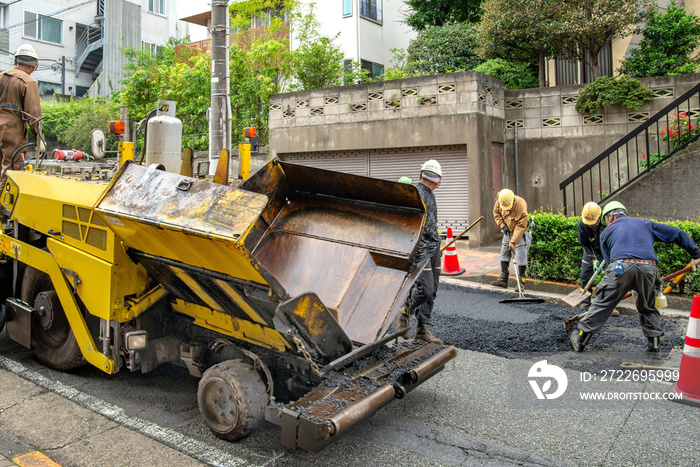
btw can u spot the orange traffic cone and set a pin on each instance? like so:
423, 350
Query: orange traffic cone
451, 264
688, 384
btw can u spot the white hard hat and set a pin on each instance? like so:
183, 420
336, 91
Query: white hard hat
434, 168
26, 50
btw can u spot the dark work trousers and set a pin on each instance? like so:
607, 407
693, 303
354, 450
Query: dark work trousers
421, 299
587, 270
638, 277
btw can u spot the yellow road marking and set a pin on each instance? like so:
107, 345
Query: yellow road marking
34, 459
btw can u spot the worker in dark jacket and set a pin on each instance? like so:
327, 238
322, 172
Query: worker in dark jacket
628, 249
421, 298
589, 231
20, 108
510, 214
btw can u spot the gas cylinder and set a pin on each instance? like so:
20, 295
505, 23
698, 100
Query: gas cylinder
67, 154
164, 138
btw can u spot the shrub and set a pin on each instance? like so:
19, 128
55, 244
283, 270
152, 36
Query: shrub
443, 49
556, 255
515, 75
606, 90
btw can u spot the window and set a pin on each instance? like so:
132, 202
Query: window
46, 88
156, 6
43, 28
347, 7
151, 48
371, 9
374, 70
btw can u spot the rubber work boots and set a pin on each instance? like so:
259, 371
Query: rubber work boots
405, 322
579, 339
503, 280
653, 344
423, 333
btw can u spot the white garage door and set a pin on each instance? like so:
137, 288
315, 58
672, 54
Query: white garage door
352, 162
391, 164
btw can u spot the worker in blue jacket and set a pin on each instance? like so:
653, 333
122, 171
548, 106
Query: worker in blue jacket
628, 249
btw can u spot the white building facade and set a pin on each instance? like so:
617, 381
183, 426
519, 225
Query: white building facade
367, 29
80, 43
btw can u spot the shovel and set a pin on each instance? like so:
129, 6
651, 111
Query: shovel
579, 295
521, 298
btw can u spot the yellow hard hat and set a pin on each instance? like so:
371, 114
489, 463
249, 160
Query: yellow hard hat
506, 198
590, 213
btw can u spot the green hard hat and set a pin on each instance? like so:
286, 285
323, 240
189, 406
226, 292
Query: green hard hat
610, 207
405, 180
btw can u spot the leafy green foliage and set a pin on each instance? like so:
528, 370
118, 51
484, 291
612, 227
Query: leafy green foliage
72, 123
516, 75
667, 47
443, 49
556, 255
427, 13
628, 92
525, 31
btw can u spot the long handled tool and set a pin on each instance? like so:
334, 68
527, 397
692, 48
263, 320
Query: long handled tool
521, 298
579, 295
460, 235
676, 276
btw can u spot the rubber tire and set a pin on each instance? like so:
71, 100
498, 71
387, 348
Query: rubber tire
232, 385
64, 355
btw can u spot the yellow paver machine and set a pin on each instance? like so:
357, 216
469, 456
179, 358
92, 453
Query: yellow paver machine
279, 294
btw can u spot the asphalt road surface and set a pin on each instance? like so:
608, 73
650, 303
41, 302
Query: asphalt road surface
424, 428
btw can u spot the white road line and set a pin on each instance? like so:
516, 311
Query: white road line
190, 446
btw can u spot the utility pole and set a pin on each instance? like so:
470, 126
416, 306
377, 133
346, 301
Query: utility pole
220, 122
63, 75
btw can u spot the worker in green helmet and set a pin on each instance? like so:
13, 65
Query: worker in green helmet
627, 245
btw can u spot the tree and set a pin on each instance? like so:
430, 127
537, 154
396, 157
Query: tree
427, 13
525, 31
443, 49
667, 47
586, 26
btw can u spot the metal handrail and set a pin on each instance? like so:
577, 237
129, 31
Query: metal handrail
86, 43
612, 174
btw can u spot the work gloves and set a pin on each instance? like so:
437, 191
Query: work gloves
505, 230
596, 265
694, 264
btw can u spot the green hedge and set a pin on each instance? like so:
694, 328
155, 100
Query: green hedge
555, 254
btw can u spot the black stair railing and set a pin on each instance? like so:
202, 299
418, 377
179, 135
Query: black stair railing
653, 142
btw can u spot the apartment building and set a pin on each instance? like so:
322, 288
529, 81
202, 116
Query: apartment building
368, 29
80, 43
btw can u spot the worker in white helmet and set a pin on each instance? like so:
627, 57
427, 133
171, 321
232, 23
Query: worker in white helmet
421, 298
510, 213
20, 108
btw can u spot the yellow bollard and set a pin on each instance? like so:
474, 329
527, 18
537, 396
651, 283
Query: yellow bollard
244, 167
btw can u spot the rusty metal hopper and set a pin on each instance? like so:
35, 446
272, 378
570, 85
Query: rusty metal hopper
346, 238
334, 249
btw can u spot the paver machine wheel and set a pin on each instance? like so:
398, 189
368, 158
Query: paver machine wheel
52, 337
232, 399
